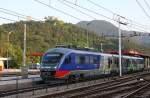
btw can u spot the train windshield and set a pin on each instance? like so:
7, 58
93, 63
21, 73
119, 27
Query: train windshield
51, 59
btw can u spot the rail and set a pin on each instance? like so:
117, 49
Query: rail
136, 91
58, 85
94, 85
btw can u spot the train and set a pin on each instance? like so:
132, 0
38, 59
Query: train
67, 63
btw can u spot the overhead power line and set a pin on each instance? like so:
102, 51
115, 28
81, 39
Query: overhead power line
13, 13
7, 19
148, 6
110, 11
57, 9
101, 7
89, 10
67, 4
143, 9
77, 9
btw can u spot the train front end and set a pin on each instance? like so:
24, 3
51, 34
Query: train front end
49, 64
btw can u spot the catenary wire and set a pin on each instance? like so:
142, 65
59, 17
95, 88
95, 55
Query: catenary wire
143, 9
10, 12
7, 19
57, 9
148, 6
77, 9
110, 11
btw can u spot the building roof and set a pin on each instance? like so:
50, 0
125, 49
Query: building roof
131, 53
3, 59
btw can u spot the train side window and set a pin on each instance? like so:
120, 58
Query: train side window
91, 60
117, 62
95, 60
67, 60
109, 62
81, 59
87, 59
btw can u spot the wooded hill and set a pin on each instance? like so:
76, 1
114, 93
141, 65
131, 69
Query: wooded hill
42, 35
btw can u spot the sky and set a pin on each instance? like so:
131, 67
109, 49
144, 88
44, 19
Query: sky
127, 8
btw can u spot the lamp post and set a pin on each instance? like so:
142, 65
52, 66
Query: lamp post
8, 48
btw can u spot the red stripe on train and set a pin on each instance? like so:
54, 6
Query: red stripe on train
61, 73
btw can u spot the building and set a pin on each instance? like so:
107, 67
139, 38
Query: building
2, 62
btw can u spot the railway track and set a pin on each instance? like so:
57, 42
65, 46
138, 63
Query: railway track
101, 90
51, 85
142, 92
114, 91
28, 89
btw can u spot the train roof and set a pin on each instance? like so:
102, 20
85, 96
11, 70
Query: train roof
68, 50
60, 50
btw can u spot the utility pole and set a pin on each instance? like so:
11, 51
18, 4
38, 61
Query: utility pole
24, 69
8, 48
119, 30
120, 53
101, 47
24, 47
87, 38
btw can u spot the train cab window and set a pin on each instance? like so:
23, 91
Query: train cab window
67, 60
51, 59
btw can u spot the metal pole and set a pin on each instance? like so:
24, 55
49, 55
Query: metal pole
8, 48
24, 67
102, 47
88, 33
24, 48
87, 37
119, 30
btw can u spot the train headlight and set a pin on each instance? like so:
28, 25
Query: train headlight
55, 67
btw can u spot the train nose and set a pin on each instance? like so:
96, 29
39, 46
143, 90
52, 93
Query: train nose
48, 73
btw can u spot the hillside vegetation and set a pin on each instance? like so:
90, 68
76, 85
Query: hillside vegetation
42, 35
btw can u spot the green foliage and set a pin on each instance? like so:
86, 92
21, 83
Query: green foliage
47, 34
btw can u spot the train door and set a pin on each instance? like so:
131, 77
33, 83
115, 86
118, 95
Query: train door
131, 65
116, 64
105, 67
110, 64
147, 63
101, 68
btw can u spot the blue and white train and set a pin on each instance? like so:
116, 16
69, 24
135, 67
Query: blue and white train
71, 63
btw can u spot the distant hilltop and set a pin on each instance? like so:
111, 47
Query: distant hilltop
105, 28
